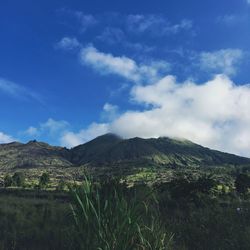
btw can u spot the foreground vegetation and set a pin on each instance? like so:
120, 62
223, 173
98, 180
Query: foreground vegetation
181, 209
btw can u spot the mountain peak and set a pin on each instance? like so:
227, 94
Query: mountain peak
37, 143
109, 136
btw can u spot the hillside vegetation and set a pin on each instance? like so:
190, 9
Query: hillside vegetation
111, 150
118, 194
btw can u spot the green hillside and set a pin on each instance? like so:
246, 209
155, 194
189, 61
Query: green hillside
33, 155
112, 150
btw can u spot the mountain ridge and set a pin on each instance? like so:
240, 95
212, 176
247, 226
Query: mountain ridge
113, 150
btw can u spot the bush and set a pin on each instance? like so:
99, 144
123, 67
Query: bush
242, 183
8, 181
18, 179
44, 180
61, 185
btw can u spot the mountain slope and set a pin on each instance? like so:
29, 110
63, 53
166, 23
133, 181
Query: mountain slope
95, 149
33, 154
112, 150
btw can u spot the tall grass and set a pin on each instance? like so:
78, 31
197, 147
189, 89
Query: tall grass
108, 216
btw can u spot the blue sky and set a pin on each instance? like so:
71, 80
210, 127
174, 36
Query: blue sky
72, 70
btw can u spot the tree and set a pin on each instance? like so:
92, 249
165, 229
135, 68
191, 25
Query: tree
44, 180
8, 181
61, 185
205, 184
18, 179
242, 183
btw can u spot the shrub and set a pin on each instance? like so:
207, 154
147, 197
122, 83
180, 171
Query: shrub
242, 183
61, 185
18, 179
8, 181
44, 180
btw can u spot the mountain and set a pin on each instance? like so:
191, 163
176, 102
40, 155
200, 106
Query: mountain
33, 155
95, 151
112, 150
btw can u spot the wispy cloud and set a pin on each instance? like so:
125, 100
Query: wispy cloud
18, 91
86, 20
233, 19
110, 112
116, 28
106, 63
112, 35
221, 61
51, 128
82, 21
116, 36
32, 131
68, 43
157, 25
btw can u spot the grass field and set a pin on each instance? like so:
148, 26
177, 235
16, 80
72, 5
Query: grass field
189, 211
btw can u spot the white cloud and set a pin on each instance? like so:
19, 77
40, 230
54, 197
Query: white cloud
214, 114
68, 43
4, 138
17, 91
123, 66
221, 61
71, 139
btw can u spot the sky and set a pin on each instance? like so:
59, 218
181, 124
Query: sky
74, 70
